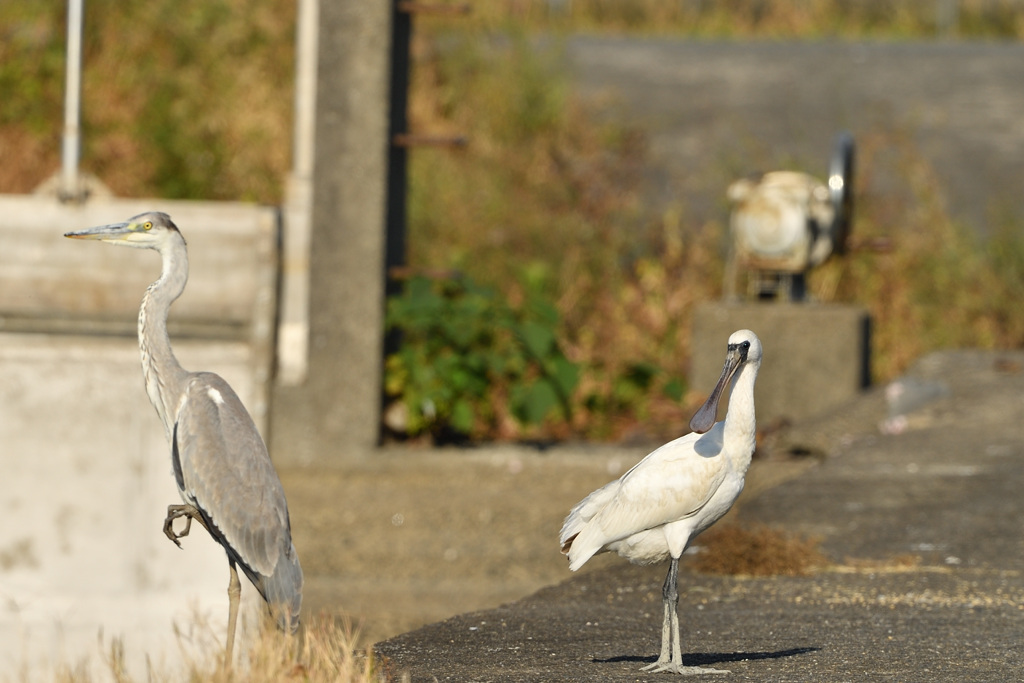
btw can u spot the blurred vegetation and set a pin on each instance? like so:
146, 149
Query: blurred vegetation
774, 19
189, 99
469, 359
193, 99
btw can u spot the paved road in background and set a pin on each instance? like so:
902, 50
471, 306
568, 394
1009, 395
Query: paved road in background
715, 110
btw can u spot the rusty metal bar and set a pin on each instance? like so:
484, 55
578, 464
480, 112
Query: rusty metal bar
412, 140
878, 245
411, 7
409, 272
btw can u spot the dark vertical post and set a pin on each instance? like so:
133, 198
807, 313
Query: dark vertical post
395, 245
401, 34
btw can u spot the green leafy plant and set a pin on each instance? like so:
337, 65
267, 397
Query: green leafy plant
468, 360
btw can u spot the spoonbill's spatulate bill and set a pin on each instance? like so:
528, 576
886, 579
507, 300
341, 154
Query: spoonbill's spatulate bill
655, 510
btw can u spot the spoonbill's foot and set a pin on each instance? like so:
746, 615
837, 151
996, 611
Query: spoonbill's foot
674, 668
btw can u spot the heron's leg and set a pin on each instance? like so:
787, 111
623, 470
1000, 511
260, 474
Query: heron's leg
189, 512
234, 594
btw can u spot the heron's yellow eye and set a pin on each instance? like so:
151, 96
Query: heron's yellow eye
147, 225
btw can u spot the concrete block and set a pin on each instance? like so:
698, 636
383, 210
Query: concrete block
84, 491
52, 284
816, 356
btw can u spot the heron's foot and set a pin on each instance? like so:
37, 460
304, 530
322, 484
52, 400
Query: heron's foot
676, 668
189, 512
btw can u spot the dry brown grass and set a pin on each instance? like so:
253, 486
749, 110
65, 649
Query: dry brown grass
28, 159
324, 651
180, 99
641, 313
904, 562
542, 180
757, 551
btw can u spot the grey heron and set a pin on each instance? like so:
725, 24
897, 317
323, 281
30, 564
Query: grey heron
656, 509
221, 465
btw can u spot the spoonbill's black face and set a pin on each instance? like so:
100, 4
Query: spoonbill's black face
744, 347
741, 349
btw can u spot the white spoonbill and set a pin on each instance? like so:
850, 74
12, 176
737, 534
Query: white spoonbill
657, 508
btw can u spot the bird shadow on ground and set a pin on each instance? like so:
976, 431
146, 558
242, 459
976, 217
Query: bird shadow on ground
707, 658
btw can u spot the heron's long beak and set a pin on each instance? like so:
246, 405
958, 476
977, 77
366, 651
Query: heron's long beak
115, 232
704, 419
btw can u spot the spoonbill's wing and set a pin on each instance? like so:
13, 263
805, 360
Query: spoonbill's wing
672, 483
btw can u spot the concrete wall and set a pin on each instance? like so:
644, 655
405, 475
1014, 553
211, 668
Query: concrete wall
85, 487
85, 472
52, 284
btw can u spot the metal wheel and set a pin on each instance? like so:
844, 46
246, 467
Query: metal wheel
840, 187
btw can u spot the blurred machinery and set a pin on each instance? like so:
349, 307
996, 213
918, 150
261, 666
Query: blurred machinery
786, 223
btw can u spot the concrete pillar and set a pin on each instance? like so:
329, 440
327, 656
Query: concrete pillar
335, 413
816, 356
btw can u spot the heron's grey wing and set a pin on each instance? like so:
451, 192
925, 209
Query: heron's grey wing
225, 471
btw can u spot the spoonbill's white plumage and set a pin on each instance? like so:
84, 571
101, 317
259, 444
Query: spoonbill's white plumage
655, 510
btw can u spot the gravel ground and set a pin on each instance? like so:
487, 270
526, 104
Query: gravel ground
413, 537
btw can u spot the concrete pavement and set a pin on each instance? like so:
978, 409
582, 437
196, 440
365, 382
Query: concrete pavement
921, 526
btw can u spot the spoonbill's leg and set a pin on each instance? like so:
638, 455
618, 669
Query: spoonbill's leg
670, 631
668, 611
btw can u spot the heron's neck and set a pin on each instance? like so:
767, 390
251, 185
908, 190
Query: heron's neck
165, 378
740, 423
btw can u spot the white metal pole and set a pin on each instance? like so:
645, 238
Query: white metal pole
69, 185
293, 333
305, 86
